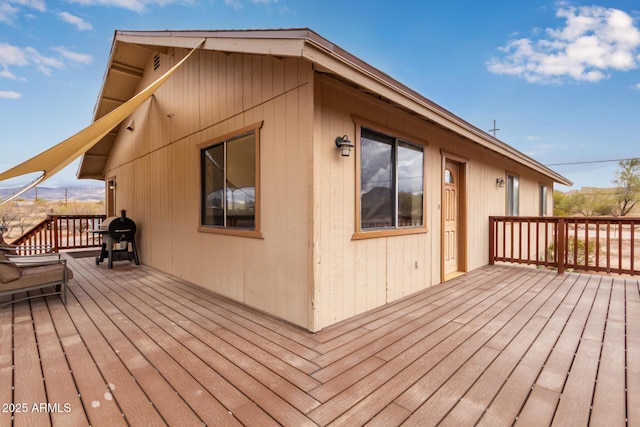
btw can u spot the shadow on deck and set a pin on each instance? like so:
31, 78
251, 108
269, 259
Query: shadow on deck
501, 344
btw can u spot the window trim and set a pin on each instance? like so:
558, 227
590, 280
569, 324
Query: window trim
257, 233
359, 233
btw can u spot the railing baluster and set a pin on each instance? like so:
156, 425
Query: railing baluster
632, 237
560, 244
620, 230
597, 266
586, 244
504, 240
608, 246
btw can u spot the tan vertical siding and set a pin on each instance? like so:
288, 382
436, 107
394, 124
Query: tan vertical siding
353, 276
306, 269
157, 170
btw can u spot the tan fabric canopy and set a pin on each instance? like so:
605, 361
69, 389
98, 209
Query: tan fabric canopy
58, 157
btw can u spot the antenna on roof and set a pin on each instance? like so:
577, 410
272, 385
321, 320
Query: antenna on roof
495, 129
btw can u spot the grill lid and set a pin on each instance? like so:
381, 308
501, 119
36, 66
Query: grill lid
121, 228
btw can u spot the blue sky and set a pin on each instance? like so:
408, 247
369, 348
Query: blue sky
561, 79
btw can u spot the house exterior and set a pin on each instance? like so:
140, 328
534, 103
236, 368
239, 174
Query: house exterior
233, 176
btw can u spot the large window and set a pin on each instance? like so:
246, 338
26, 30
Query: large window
513, 195
229, 182
391, 182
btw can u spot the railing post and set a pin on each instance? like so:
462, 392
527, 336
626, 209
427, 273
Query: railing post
560, 245
492, 222
56, 242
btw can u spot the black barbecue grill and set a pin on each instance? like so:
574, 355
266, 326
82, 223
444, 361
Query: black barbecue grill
118, 239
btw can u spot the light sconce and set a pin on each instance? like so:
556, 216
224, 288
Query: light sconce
131, 126
500, 182
345, 146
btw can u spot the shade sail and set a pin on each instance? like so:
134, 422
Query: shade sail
58, 157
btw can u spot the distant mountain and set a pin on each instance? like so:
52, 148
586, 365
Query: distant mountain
60, 193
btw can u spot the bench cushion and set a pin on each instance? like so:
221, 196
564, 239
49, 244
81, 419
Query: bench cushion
37, 275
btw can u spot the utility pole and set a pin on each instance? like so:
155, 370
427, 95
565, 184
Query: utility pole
495, 129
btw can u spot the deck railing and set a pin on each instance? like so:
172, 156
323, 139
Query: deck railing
598, 244
62, 232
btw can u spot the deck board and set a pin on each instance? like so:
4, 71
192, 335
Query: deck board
6, 362
60, 386
497, 346
495, 402
609, 398
28, 378
133, 402
632, 298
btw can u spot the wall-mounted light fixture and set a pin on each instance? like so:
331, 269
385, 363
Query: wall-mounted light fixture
500, 182
131, 126
345, 146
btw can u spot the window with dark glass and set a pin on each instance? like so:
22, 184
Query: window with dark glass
543, 200
391, 182
513, 195
229, 183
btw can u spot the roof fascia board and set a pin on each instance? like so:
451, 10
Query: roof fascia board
270, 46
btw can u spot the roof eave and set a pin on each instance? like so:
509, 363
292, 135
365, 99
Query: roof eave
304, 43
340, 62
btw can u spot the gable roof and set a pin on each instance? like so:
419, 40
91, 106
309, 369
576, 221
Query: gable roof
131, 49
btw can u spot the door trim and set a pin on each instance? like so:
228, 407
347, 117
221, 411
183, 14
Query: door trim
462, 215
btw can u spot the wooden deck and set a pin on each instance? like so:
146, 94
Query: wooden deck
498, 346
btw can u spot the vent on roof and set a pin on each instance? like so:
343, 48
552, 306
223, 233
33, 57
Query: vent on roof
156, 62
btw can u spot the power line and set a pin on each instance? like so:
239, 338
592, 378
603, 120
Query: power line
590, 162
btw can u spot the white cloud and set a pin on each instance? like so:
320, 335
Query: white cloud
8, 13
6, 74
270, 5
44, 64
9, 9
593, 42
9, 94
80, 58
38, 5
133, 5
78, 22
14, 56
234, 4
637, 86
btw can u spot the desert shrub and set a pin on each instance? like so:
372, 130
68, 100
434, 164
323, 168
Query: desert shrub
577, 256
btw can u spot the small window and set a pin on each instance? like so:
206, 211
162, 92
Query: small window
513, 195
448, 177
543, 200
391, 182
228, 188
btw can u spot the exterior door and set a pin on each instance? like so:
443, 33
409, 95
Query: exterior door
451, 218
